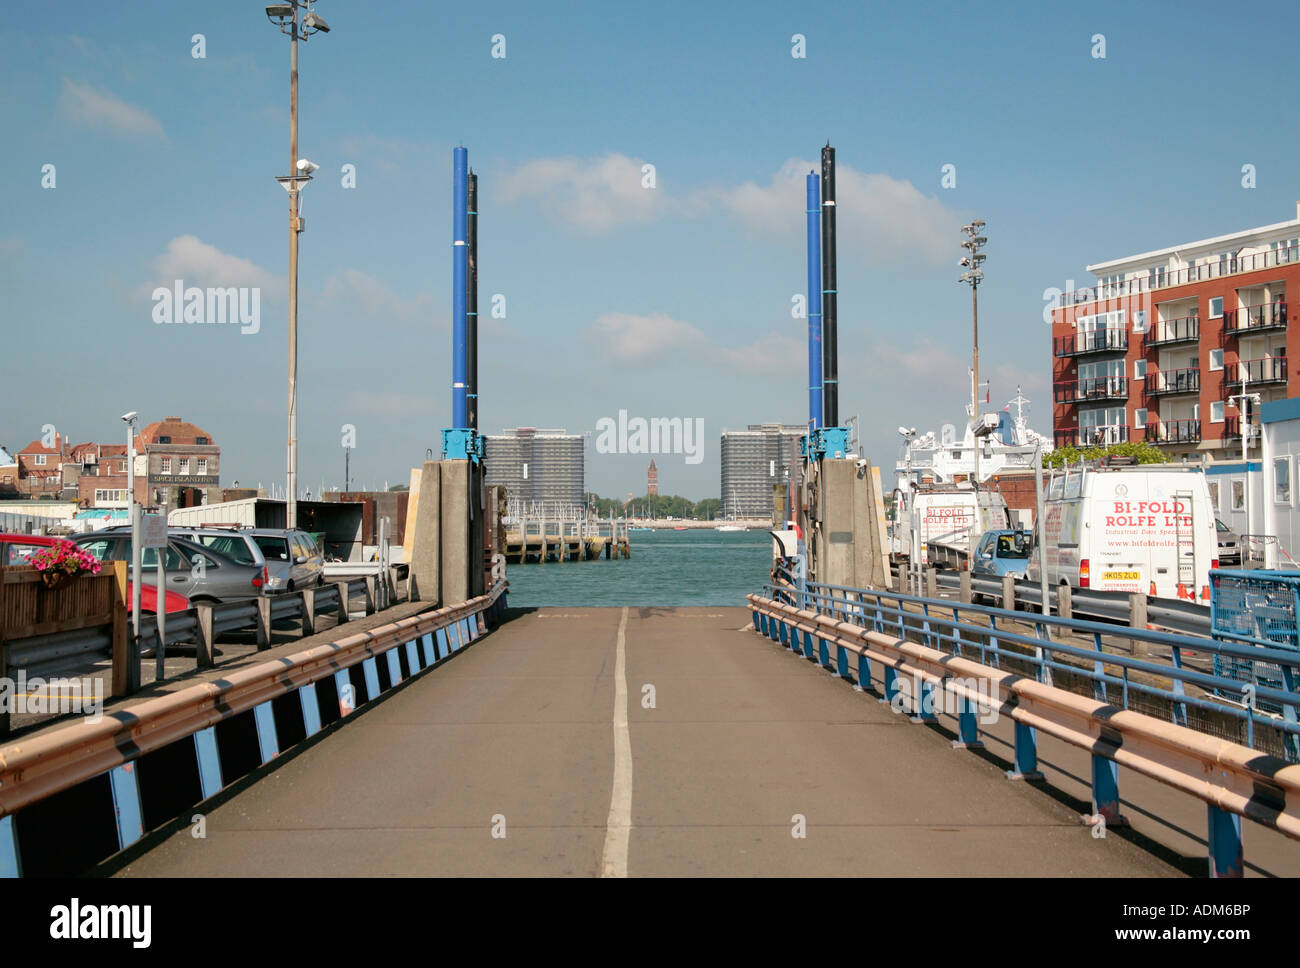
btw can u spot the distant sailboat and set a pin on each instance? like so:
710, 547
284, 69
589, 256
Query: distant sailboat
732, 515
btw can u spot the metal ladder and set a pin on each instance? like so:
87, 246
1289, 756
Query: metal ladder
1185, 541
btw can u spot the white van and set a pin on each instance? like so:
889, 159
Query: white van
937, 521
1145, 528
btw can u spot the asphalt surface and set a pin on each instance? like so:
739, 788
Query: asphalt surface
744, 760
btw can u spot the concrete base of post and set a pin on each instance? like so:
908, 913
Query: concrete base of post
1008, 592
1064, 601
964, 593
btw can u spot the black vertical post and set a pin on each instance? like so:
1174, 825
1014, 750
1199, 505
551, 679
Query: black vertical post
471, 304
830, 336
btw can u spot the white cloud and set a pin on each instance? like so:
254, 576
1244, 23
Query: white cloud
880, 217
639, 339
365, 297
85, 104
199, 264
770, 353
594, 195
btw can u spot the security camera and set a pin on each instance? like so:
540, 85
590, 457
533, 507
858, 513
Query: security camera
860, 463
307, 166
128, 417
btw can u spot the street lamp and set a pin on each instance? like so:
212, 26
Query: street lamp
133, 517
285, 16
973, 276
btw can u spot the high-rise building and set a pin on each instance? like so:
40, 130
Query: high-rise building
652, 478
1161, 347
753, 461
536, 465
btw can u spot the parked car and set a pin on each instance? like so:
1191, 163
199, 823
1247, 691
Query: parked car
1229, 544
200, 573
292, 559
15, 549
1003, 552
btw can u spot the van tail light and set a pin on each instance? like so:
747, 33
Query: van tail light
1084, 574
1214, 562
260, 580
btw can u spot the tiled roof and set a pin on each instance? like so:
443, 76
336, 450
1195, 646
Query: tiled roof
177, 429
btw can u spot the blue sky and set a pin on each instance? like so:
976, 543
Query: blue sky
671, 301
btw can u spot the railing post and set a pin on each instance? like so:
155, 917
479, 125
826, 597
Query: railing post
1137, 619
963, 579
924, 700
968, 729
370, 594
263, 623
932, 582
1026, 754
1225, 843
206, 646
1105, 791
891, 684
1008, 593
1064, 601
344, 595
308, 596
842, 662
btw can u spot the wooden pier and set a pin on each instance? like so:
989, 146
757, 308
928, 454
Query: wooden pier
563, 533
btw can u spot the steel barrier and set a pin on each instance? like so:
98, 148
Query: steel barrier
132, 751
1234, 780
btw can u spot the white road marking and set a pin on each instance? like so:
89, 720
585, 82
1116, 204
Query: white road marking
618, 827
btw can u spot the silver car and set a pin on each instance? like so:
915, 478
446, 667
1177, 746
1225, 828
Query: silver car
292, 559
199, 573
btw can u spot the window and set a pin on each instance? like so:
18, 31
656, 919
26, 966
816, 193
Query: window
1216, 411
1216, 307
106, 496
1282, 480
1139, 419
165, 466
1238, 495
1216, 359
164, 440
202, 465
1214, 495
184, 463
39, 460
202, 441
1139, 369
1139, 321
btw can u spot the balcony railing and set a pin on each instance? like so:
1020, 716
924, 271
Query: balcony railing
1254, 319
1272, 370
1111, 340
1185, 329
1099, 436
1174, 431
1168, 382
1232, 430
1091, 388
1168, 278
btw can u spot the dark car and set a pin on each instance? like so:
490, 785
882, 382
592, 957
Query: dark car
197, 572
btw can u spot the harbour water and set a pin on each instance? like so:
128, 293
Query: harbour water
666, 568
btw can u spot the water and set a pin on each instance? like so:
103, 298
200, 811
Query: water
703, 567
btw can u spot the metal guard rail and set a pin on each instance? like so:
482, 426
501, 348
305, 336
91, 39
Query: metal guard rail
833, 599
1232, 779
35, 768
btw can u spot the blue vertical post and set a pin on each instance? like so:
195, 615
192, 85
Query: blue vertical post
1026, 767
460, 275
1105, 790
814, 210
1226, 858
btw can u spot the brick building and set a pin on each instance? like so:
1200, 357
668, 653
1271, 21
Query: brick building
1159, 348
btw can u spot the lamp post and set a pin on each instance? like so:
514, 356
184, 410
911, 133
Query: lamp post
285, 16
133, 517
973, 276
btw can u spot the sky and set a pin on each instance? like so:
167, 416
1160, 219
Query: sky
670, 299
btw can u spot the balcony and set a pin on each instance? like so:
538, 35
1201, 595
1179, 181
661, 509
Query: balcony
1174, 432
1114, 340
1099, 436
1168, 278
1232, 431
1170, 382
1269, 317
1255, 372
1093, 388
1185, 329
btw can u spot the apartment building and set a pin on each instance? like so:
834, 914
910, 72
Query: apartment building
536, 465
1162, 346
753, 461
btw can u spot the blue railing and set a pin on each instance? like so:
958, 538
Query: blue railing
985, 632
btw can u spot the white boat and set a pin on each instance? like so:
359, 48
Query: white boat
730, 527
732, 516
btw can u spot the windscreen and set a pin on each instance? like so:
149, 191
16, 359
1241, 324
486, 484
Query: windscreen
274, 549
